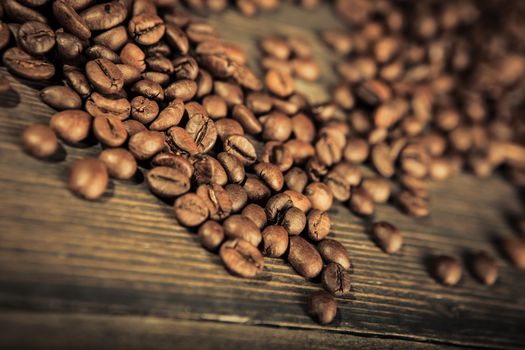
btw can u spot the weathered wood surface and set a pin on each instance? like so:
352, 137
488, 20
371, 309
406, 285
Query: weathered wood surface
120, 272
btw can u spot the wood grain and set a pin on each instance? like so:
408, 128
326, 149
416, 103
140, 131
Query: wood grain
121, 270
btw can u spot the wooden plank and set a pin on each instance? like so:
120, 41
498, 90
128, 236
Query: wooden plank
126, 255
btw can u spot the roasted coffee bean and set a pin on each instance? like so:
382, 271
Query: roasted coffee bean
514, 249
336, 280
40, 141
447, 270
374, 92
318, 225
180, 141
211, 235
203, 131
246, 78
294, 221
36, 38
133, 127
27, 66
68, 18
227, 127
296, 179
149, 89
255, 213
247, 119
76, 79
343, 97
160, 64
412, 205
303, 128
233, 167
130, 74
333, 251
88, 178
276, 127
238, 226
304, 258
194, 109
276, 153
361, 202
169, 116
182, 89
143, 109
71, 125
319, 195
387, 236
484, 267
177, 38
240, 147
276, 46
5, 85
119, 163
114, 39
20, 13
277, 206
382, 160
104, 16
160, 78
270, 174
174, 161
190, 210
231, 93
207, 170
185, 67
110, 131
145, 144
167, 182
414, 160
4, 35
378, 188
257, 191
259, 102
279, 83
338, 185
306, 68
299, 150
356, 151
322, 307
204, 83
299, 200
241, 258
417, 187
98, 105
100, 51
105, 76
282, 66
132, 55
238, 196
215, 106
146, 28
60, 97
217, 200
275, 241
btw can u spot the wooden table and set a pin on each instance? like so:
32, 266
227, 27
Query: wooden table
120, 273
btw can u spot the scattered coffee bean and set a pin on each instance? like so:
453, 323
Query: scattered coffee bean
217, 200
322, 307
319, 224
120, 163
190, 210
304, 258
71, 125
387, 236
378, 188
241, 258
238, 196
211, 235
40, 141
238, 226
255, 213
275, 241
167, 182
88, 178
294, 221
514, 248
319, 195
333, 251
447, 270
145, 144
361, 202
484, 268
336, 280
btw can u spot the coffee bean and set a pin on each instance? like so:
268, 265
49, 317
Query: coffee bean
174, 161
27, 66
204, 84
177, 38
170, 116
130, 74
299, 150
233, 167
180, 141
322, 307
119, 162
238, 196
286, 106
203, 131
338, 185
100, 51
71, 125
378, 188
238, 226
240, 147
104, 76
60, 97
306, 69
382, 161
412, 205
104, 16
88, 178
255, 213
247, 119
361, 202
356, 151
257, 191
336, 280
276, 46
167, 182
333, 251
259, 102
77, 80
20, 13
211, 235
277, 206
276, 153
4, 35
270, 174
275, 241
415, 186
133, 127
294, 221
484, 268
217, 200
241, 258
215, 106
149, 89
276, 127
246, 78
318, 225
304, 258
447, 270
36, 38
110, 131
101, 106
319, 195
182, 89
68, 18
114, 39
40, 141
132, 55
343, 97
145, 144
231, 93
185, 67
160, 78
303, 127
296, 179
414, 160
279, 83
194, 109
207, 170
514, 249
315, 169
387, 236
190, 210
143, 109
299, 200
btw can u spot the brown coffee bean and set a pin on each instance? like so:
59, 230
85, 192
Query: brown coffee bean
68, 18
315, 169
77, 80
343, 97
241, 258
180, 141
27, 66
104, 16
299, 200
356, 151
167, 182
415, 160
319, 195
447, 270
322, 307
133, 127
361, 202
149, 89
255, 213
318, 225
514, 249
185, 67
300, 150
4, 35
71, 125
338, 185
231, 93
304, 258
336, 280
60, 97
169, 116
100, 106
110, 131
328, 151
211, 235
270, 174
276, 127
277, 206
279, 83
104, 76
88, 178
382, 161
276, 46
247, 119
182, 89
306, 69
240, 147
96, 51
114, 39
132, 55
217, 200
294, 221
36, 38
387, 236
190, 210
174, 161
259, 102
238, 226
207, 170
257, 191
40, 141
219, 65
146, 28
303, 127
378, 188
20, 13
333, 251
203, 131
415, 186
233, 167
246, 78
215, 106
412, 205
119, 163
199, 31
145, 144
484, 267
238, 196
276, 153
275, 241
143, 109
296, 179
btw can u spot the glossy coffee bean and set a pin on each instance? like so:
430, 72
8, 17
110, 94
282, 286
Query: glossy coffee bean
71, 125
319, 195
378, 188
277, 206
338, 185
208, 170
387, 236
322, 307
336, 280
98, 105
104, 76
40, 141
275, 241
247, 119
104, 16
361, 202
170, 116
241, 258
514, 249
238, 226
110, 131
190, 210
447, 270
203, 131
68, 18
238, 196
181, 142
211, 235
240, 147
88, 178
36, 38
333, 251
145, 144
217, 200
120, 163
299, 200
318, 224
60, 97
233, 167
270, 174
174, 161
276, 153
294, 221
304, 258
227, 127
255, 213
167, 182
484, 267
413, 205
27, 66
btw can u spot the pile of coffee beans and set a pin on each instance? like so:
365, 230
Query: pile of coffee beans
252, 165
